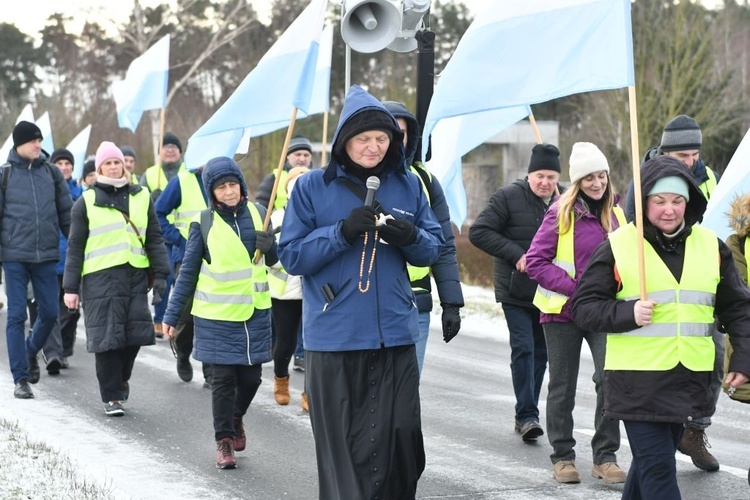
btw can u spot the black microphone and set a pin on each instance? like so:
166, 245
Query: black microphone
373, 183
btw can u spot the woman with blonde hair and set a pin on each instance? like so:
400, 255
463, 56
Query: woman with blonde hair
572, 228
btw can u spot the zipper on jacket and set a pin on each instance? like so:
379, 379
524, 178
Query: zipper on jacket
36, 213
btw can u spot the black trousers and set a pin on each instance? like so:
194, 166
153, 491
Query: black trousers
232, 390
113, 369
287, 317
68, 321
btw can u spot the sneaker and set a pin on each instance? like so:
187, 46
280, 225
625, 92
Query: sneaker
240, 439
529, 431
207, 382
23, 391
158, 331
694, 443
299, 364
610, 472
34, 372
225, 454
565, 472
53, 366
281, 390
64, 365
184, 368
305, 406
114, 409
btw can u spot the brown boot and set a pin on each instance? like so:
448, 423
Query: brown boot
565, 472
158, 331
281, 390
694, 444
610, 472
240, 439
225, 454
305, 406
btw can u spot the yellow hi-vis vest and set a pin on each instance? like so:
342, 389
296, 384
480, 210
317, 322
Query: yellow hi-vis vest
191, 202
416, 273
550, 302
155, 177
683, 317
112, 240
281, 195
709, 186
231, 287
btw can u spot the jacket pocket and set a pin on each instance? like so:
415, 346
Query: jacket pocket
521, 286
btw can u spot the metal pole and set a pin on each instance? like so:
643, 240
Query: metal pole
425, 81
347, 69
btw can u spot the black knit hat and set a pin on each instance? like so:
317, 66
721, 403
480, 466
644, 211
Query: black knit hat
226, 178
364, 121
298, 143
681, 133
128, 151
25, 132
89, 167
170, 138
544, 157
62, 154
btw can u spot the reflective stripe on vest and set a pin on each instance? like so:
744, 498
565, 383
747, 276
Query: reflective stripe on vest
112, 240
232, 286
709, 186
277, 281
416, 273
550, 302
191, 202
281, 195
684, 314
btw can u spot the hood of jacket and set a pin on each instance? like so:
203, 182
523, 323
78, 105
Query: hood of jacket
665, 166
217, 168
357, 101
398, 110
739, 215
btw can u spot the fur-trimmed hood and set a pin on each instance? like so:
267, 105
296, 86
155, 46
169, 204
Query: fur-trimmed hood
739, 215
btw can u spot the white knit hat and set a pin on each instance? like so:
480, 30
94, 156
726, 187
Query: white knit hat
586, 159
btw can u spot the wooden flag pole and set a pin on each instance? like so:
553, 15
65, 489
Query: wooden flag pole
279, 169
162, 123
323, 142
637, 190
535, 127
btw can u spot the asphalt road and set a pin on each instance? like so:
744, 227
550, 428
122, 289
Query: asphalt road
163, 448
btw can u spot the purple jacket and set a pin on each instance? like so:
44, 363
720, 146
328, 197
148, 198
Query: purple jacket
587, 234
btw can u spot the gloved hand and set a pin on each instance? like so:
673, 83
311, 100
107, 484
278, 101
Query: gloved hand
264, 241
398, 232
160, 286
360, 220
155, 194
451, 321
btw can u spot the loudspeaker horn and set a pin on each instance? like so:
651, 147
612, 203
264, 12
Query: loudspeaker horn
411, 22
370, 25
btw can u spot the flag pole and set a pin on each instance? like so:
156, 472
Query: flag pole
535, 128
162, 123
279, 169
323, 142
637, 190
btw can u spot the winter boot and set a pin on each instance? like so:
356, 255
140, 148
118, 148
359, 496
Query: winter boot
158, 331
225, 454
305, 406
281, 390
23, 391
184, 368
694, 444
565, 472
34, 372
240, 439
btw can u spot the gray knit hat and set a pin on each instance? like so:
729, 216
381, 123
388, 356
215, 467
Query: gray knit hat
298, 143
681, 133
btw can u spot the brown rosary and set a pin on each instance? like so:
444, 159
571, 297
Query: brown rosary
362, 262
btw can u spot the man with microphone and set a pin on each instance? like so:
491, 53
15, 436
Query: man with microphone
351, 241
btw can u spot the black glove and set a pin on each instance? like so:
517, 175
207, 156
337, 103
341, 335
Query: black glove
398, 232
264, 241
451, 321
360, 220
160, 286
155, 194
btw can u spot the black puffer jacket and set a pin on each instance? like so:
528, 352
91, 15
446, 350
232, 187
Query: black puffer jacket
115, 300
679, 394
504, 230
34, 208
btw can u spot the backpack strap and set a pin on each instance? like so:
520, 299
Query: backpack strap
426, 180
361, 192
207, 220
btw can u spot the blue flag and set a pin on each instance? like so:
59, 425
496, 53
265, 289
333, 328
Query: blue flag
144, 86
282, 80
520, 53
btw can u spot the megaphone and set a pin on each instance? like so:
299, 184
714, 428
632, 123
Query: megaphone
370, 25
414, 11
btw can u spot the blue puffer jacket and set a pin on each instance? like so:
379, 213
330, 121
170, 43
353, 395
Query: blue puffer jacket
34, 208
313, 246
222, 342
75, 193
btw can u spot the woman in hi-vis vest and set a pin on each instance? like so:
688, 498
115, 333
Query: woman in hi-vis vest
231, 301
114, 241
660, 352
573, 227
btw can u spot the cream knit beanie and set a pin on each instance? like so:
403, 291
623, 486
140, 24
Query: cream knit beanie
586, 159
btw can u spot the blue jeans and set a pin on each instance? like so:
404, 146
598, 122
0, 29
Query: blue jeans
564, 342
653, 472
424, 332
44, 282
300, 350
528, 360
